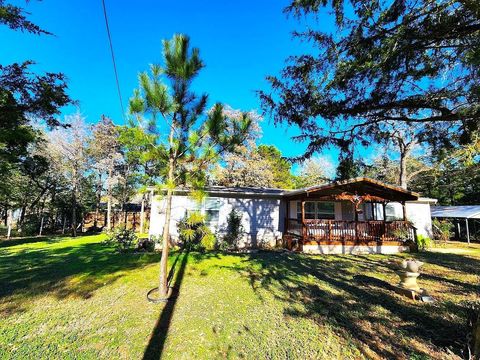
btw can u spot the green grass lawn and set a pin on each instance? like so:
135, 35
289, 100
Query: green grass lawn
70, 298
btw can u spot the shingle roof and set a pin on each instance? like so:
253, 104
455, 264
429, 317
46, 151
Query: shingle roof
244, 190
359, 185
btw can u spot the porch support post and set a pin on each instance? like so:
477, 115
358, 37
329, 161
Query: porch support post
468, 231
404, 211
287, 216
372, 204
384, 220
304, 229
356, 222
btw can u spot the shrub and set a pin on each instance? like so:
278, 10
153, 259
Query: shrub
123, 239
423, 242
442, 230
234, 230
401, 234
146, 244
194, 232
30, 226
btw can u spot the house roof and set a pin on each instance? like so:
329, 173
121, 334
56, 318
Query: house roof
357, 186
241, 190
464, 211
245, 190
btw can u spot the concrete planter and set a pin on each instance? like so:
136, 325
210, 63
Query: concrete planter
408, 273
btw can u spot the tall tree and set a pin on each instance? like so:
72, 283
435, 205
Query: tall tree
402, 61
281, 167
68, 148
244, 167
385, 169
104, 148
404, 139
314, 171
25, 97
145, 167
193, 140
450, 179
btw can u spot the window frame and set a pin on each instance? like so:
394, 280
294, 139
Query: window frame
318, 214
206, 208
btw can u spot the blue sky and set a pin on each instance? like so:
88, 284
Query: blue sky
240, 41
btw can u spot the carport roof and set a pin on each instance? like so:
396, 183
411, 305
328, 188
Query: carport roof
459, 212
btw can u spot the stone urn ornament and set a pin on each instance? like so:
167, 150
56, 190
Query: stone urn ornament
408, 273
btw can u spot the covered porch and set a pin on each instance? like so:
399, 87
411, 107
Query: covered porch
356, 212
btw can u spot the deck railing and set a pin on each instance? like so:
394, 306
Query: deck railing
358, 231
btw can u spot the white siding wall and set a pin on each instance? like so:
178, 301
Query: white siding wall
262, 218
419, 214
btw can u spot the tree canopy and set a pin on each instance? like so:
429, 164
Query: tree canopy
402, 61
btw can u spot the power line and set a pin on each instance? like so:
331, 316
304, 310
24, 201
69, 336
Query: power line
113, 60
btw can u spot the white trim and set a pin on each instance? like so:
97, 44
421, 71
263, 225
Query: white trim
354, 249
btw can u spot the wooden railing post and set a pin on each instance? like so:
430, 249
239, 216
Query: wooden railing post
329, 230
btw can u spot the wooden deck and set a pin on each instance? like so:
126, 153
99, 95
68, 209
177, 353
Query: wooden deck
349, 232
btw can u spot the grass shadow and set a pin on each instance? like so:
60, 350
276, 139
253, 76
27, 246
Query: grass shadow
32, 272
355, 296
159, 334
27, 240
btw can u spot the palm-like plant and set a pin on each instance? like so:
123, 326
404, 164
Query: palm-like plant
179, 134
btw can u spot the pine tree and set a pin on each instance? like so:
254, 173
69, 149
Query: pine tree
181, 136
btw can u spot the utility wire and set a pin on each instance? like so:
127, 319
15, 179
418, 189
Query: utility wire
113, 61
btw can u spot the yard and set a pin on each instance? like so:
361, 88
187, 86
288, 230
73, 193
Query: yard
75, 298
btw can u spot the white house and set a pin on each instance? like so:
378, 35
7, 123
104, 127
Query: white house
356, 215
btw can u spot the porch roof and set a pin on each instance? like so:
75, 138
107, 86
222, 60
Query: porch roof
360, 186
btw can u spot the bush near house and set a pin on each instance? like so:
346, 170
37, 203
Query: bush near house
442, 230
123, 239
234, 231
423, 242
195, 233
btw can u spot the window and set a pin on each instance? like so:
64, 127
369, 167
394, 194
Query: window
209, 207
325, 210
393, 211
310, 210
316, 210
193, 207
212, 210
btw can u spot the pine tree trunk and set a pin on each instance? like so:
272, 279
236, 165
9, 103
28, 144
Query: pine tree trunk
163, 287
163, 284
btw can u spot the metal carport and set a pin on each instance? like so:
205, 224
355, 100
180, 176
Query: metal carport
459, 214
